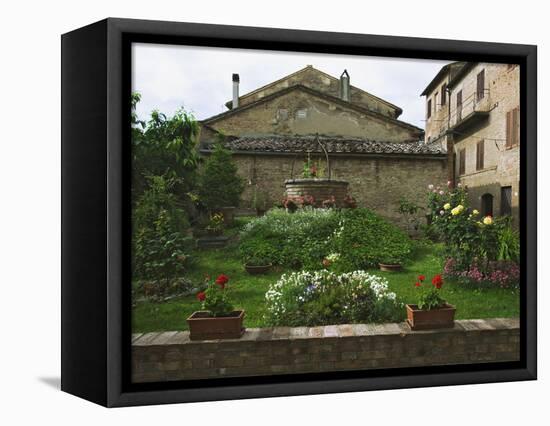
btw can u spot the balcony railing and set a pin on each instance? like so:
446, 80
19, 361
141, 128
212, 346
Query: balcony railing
473, 108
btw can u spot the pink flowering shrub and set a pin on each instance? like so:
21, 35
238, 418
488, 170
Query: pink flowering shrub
503, 273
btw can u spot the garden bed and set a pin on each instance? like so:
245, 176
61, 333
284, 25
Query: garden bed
249, 291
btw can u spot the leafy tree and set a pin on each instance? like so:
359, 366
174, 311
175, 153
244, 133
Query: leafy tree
219, 184
164, 146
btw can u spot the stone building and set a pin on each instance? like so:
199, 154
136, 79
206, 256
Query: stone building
309, 114
473, 109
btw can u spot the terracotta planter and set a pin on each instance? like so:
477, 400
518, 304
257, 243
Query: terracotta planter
435, 318
389, 267
257, 269
203, 326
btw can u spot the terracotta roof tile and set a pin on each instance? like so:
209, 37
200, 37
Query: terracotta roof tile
335, 145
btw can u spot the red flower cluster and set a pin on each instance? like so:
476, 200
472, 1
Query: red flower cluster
437, 281
222, 280
201, 295
421, 278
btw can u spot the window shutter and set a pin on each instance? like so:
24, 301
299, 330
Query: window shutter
462, 162
459, 106
515, 126
508, 129
481, 84
480, 154
444, 94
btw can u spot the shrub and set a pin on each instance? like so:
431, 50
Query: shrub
470, 240
219, 184
364, 239
500, 273
159, 252
323, 297
305, 238
300, 239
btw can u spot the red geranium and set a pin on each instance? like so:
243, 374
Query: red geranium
437, 281
201, 295
222, 280
422, 277
417, 284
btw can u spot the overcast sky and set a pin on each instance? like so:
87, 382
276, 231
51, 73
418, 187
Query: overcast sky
199, 78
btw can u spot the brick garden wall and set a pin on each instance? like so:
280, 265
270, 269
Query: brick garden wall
283, 350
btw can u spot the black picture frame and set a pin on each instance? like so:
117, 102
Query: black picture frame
95, 211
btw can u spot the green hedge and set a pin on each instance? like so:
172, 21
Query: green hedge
359, 237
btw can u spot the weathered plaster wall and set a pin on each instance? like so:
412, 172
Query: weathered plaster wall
377, 182
325, 83
321, 116
501, 164
283, 350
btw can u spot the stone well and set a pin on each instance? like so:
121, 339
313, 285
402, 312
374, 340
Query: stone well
319, 189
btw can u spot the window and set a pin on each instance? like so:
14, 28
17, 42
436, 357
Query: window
480, 154
301, 113
429, 108
487, 205
435, 101
462, 161
459, 106
506, 201
512, 128
282, 114
481, 85
444, 94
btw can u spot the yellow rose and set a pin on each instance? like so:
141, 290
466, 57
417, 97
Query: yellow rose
447, 206
488, 220
457, 210
475, 212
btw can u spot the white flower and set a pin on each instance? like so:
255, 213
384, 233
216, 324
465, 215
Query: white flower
430, 186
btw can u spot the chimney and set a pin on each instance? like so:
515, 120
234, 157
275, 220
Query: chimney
235, 91
344, 86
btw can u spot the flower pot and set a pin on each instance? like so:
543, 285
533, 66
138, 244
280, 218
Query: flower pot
419, 319
389, 267
257, 269
203, 326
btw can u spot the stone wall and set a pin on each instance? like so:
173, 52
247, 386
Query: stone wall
298, 112
324, 83
283, 350
377, 182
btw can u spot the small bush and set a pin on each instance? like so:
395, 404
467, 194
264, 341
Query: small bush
323, 297
219, 184
300, 239
364, 239
305, 238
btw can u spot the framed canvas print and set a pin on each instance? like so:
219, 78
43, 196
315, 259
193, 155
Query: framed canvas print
253, 212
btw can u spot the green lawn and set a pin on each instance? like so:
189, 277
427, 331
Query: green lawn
249, 290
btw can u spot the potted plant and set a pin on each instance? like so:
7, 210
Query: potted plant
257, 265
217, 319
432, 311
390, 265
